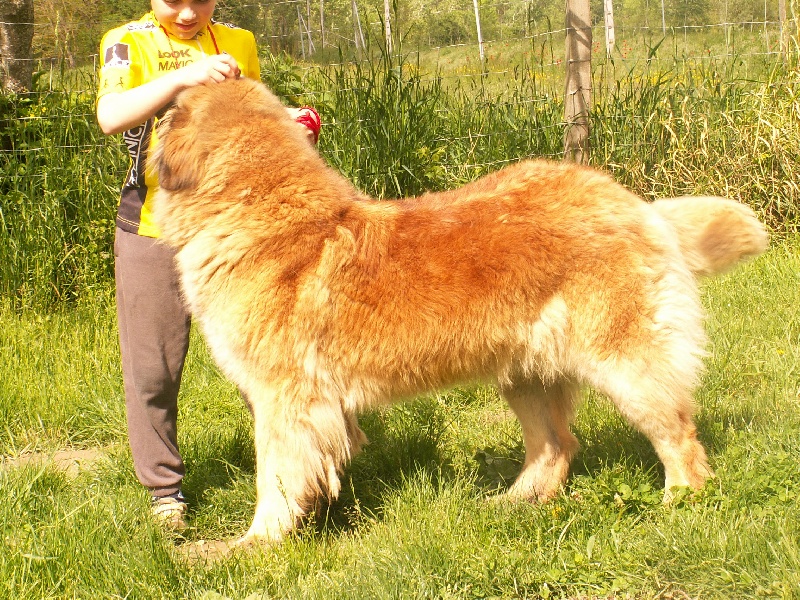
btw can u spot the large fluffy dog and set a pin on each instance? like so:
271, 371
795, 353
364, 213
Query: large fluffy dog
319, 302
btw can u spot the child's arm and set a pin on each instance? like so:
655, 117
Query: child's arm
119, 111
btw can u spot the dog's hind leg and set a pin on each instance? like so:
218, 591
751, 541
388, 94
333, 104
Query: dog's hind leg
655, 396
301, 443
545, 412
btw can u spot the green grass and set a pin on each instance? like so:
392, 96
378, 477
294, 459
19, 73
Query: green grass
59, 178
414, 519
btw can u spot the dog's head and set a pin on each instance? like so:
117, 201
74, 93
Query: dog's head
200, 118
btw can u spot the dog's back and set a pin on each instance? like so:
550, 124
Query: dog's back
488, 279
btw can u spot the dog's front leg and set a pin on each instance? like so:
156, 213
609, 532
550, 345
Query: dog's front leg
277, 508
301, 441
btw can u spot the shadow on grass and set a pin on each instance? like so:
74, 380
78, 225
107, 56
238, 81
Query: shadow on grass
217, 461
607, 442
404, 441
609, 445
407, 441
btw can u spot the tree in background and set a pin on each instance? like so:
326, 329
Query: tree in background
71, 29
67, 30
243, 14
440, 22
687, 12
16, 37
747, 11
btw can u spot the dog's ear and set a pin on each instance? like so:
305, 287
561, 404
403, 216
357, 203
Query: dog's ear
178, 159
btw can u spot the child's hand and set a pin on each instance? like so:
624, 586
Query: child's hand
309, 119
118, 111
212, 69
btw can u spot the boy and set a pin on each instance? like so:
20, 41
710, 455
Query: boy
144, 65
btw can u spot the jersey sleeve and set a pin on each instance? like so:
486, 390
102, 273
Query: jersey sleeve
120, 63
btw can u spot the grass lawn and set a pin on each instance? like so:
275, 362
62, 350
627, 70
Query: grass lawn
415, 519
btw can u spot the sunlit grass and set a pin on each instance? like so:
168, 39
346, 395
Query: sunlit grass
414, 519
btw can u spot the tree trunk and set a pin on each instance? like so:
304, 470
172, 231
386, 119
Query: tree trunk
16, 36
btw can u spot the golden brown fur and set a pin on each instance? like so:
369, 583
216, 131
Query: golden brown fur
319, 302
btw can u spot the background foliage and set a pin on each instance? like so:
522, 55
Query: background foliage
74, 27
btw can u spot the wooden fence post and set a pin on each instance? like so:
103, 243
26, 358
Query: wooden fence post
578, 92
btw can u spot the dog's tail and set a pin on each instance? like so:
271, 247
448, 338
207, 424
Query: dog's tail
714, 234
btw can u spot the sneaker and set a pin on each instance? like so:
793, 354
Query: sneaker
169, 511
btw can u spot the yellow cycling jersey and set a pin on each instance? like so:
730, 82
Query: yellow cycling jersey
142, 51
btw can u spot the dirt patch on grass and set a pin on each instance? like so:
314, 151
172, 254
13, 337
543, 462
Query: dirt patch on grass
72, 462
207, 552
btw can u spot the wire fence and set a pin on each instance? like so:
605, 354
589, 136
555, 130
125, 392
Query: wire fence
691, 103
499, 46
322, 32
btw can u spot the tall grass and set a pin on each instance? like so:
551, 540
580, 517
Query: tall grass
395, 128
701, 130
58, 176
399, 131
386, 126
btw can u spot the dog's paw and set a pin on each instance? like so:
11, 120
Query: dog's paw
252, 540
